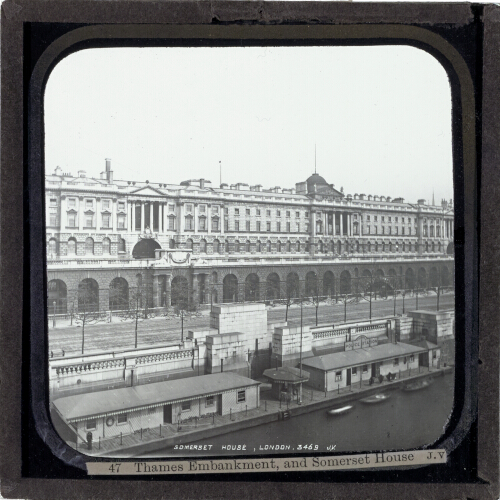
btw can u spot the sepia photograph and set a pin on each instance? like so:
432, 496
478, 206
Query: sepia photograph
249, 250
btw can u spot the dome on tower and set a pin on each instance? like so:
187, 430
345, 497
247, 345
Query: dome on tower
315, 180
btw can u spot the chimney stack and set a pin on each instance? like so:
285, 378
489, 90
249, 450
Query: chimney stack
109, 172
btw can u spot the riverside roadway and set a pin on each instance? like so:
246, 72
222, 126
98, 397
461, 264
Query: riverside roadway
120, 334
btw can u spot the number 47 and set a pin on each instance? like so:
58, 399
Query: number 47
114, 468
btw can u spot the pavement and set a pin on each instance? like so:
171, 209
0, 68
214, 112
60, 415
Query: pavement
148, 440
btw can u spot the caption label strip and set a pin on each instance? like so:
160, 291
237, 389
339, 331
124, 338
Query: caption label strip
343, 462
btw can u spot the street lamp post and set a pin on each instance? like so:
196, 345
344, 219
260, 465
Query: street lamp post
300, 358
54, 318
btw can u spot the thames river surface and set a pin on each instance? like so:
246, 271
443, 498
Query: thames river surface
406, 420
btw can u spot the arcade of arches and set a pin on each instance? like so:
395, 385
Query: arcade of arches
237, 285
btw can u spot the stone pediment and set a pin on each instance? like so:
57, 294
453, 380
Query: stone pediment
148, 191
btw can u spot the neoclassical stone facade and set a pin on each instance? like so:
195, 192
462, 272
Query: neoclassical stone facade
235, 243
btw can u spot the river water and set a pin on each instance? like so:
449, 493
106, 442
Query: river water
406, 420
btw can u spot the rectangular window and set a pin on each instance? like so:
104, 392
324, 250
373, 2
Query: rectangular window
278, 227
105, 204
258, 226
186, 405
368, 229
368, 218
383, 218
278, 213
71, 202
171, 223
189, 207
53, 219
268, 213
89, 221
307, 214
236, 225
338, 376
434, 354
402, 220
396, 230
412, 358
355, 216
226, 225
53, 202
121, 222
288, 213
226, 211
247, 225
241, 396
106, 218
307, 227
396, 361
171, 208
151, 410
268, 226
383, 230
89, 203
247, 211
188, 223
215, 224
288, 227
297, 214
365, 368
91, 425
376, 229
404, 360
354, 371
389, 230
236, 211
402, 230
71, 220
121, 418
298, 227
258, 211
121, 205
215, 209
375, 218
209, 401
396, 219
202, 224
389, 219
202, 209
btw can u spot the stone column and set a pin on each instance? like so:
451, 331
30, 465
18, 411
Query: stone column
341, 215
168, 289
196, 295
98, 215
113, 215
420, 231
142, 216
209, 219
160, 217
79, 214
132, 218
151, 215
164, 217
156, 291
180, 226
63, 218
195, 218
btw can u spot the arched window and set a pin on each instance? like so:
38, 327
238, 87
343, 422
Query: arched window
432, 231
259, 247
339, 247
278, 246
121, 245
118, 294
226, 245
216, 246
298, 246
106, 246
203, 246
236, 246
189, 244
288, 246
89, 246
56, 299
247, 246
320, 246
72, 246
52, 247
171, 244
269, 247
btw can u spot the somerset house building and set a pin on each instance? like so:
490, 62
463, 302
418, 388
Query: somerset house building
234, 243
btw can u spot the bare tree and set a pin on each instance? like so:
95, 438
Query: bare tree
88, 307
138, 308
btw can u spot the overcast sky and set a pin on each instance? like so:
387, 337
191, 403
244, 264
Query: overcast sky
380, 117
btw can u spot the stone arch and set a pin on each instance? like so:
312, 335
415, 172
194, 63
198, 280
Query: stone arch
320, 246
409, 278
189, 244
422, 278
122, 245
278, 246
252, 284
88, 295
445, 276
237, 246
298, 245
203, 245
118, 294
57, 297
450, 249
328, 284
216, 246
171, 244
269, 246
247, 246
179, 292
433, 277
230, 288
288, 246
311, 284
273, 287
258, 246
345, 282
292, 285
145, 249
